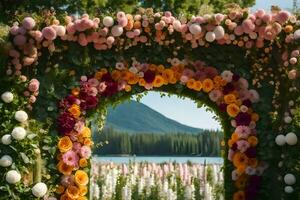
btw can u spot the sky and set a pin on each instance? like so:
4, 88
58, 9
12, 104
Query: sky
266, 4
185, 111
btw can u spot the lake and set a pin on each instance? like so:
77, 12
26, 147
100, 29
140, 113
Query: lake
158, 159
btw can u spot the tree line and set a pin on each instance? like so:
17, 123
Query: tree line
206, 143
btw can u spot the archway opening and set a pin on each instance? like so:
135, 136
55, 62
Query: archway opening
171, 142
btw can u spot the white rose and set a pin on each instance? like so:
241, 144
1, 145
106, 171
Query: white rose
39, 189
13, 177
219, 32
21, 116
297, 34
280, 140
289, 179
177, 25
291, 138
6, 161
287, 119
210, 36
195, 29
288, 189
18, 133
6, 139
60, 30
7, 97
117, 30
108, 21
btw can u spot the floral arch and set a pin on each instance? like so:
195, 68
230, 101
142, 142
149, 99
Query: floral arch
61, 68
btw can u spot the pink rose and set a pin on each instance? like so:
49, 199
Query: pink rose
85, 152
49, 33
76, 147
14, 30
32, 99
19, 40
28, 23
34, 85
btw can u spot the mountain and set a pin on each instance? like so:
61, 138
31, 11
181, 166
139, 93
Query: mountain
135, 117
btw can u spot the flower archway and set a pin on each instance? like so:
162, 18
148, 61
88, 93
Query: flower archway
228, 91
145, 51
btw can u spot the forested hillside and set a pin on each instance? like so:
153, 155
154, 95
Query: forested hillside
206, 143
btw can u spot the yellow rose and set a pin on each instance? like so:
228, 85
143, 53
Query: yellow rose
81, 178
86, 132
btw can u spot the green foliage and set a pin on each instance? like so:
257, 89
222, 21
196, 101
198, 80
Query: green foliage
218, 191
209, 175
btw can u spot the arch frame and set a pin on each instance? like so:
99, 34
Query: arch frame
30, 63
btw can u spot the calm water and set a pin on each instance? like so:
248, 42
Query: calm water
158, 159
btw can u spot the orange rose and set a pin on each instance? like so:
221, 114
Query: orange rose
60, 189
81, 178
253, 141
240, 183
173, 80
115, 75
142, 82
65, 197
240, 160
254, 117
72, 192
191, 83
241, 169
160, 68
230, 143
168, 75
229, 99
75, 110
65, 144
83, 190
158, 81
86, 132
125, 75
88, 142
207, 85
233, 110
83, 162
234, 137
64, 169
198, 86
98, 75
75, 91
217, 80
240, 195
132, 79
127, 88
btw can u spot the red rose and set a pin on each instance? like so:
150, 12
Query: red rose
66, 123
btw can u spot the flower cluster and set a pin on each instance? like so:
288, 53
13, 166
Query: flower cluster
75, 145
238, 28
156, 180
229, 91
